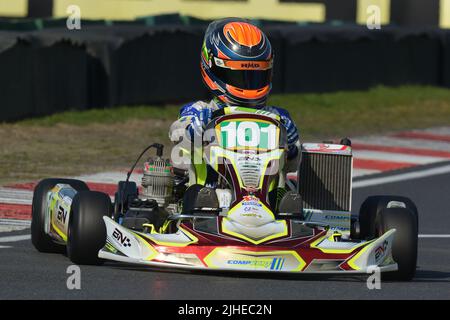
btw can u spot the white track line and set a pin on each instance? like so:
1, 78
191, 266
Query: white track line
363, 172
15, 196
15, 222
407, 143
434, 235
401, 177
9, 225
395, 157
15, 238
445, 131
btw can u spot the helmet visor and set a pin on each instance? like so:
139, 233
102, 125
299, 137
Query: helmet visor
243, 79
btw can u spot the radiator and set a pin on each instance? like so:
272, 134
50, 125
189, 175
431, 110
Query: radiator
324, 181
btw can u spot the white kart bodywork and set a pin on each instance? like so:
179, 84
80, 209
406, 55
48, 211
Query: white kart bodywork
375, 254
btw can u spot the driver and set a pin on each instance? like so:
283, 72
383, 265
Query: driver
236, 66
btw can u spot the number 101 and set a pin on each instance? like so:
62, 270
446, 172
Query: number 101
249, 134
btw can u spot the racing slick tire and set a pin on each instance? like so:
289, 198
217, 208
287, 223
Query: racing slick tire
404, 246
87, 230
41, 240
372, 207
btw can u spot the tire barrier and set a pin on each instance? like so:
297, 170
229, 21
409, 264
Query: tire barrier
54, 69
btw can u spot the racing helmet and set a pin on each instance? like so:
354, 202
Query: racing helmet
236, 62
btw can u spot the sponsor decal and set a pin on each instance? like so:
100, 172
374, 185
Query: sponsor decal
61, 215
248, 151
251, 207
121, 238
251, 214
323, 146
262, 263
381, 250
337, 217
250, 157
251, 201
250, 65
219, 62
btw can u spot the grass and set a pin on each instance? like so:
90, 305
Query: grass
380, 108
105, 116
72, 142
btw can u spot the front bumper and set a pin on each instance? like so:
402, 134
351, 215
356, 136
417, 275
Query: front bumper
184, 251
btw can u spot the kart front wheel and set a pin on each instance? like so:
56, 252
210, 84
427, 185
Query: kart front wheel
404, 247
87, 231
40, 239
371, 209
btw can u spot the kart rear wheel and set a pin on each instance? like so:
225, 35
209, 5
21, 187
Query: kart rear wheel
404, 246
40, 239
371, 208
87, 230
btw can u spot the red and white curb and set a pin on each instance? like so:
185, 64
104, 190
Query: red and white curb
372, 154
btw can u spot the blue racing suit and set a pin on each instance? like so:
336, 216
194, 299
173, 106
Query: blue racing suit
200, 113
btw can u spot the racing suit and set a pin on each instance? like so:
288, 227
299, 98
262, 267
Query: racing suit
195, 116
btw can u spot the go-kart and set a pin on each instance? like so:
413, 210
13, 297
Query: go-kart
249, 217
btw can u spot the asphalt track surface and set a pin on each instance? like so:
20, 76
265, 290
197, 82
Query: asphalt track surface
27, 274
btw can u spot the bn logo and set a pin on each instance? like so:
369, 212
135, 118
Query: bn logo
124, 240
62, 214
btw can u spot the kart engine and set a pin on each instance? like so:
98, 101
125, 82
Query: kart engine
157, 181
